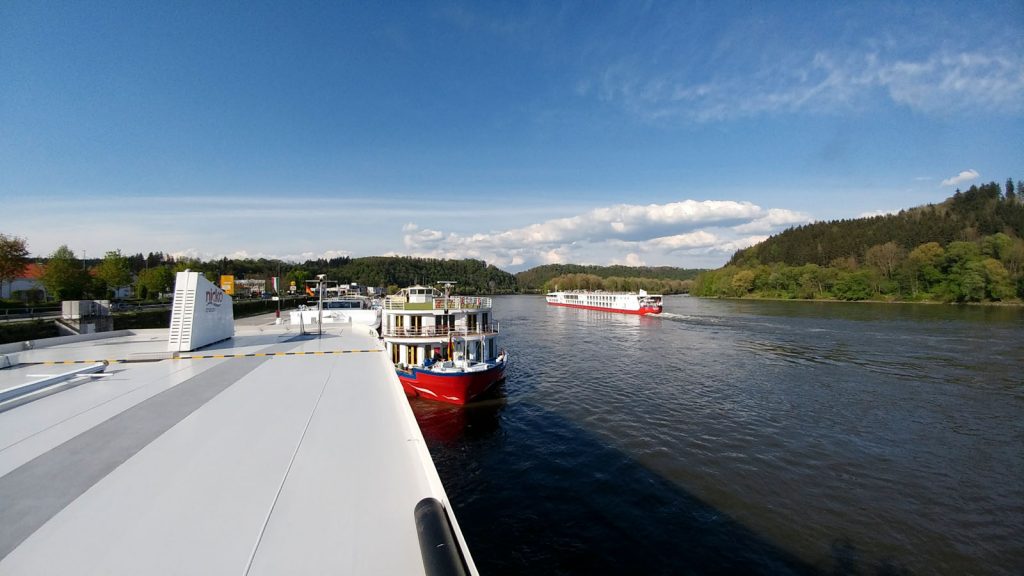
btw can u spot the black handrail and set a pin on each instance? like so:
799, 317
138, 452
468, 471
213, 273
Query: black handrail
441, 554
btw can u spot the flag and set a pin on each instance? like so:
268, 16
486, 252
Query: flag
276, 283
310, 292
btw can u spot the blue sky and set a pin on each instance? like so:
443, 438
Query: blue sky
659, 133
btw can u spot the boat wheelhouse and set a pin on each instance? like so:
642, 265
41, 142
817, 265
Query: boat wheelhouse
621, 302
443, 347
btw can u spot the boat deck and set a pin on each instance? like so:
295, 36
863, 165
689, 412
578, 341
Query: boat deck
269, 453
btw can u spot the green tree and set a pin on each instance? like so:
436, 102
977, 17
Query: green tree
182, 264
966, 283
114, 270
996, 245
13, 258
812, 281
742, 283
924, 265
1013, 260
998, 285
854, 285
64, 276
886, 258
965, 274
152, 281
299, 276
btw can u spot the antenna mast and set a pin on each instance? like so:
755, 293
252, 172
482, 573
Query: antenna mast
447, 288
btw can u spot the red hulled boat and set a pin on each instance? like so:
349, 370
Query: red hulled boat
444, 347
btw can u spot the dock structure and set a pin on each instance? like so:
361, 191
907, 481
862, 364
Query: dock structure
271, 452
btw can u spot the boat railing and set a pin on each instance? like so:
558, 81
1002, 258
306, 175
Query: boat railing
431, 331
450, 303
395, 302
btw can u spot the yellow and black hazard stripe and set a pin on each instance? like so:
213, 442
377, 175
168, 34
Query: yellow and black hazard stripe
272, 354
104, 361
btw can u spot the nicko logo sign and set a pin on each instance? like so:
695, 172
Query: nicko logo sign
214, 297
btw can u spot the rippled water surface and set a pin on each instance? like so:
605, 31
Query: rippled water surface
744, 437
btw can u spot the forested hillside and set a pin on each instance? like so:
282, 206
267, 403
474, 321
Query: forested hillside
472, 276
967, 216
966, 249
540, 278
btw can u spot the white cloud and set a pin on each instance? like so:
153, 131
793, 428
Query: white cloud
956, 81
698, 239
631, 259
739, 244
965, 176
874, 213
688, 233
825, 82
685, 233
244, 254
774, 219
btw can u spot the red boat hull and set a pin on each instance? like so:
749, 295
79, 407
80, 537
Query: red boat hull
640, 312
456, 388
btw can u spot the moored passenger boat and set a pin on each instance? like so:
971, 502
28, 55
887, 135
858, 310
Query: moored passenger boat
622, 302
344, 309
444, 347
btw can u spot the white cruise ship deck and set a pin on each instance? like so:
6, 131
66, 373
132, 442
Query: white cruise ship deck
268, 453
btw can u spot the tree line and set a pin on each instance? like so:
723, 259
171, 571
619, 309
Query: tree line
65, 276
991, 269
966, 249
540, 278
617, 284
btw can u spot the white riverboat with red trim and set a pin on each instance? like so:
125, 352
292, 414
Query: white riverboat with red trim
444, 347
622, 302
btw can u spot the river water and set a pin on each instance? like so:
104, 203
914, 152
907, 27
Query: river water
744, 437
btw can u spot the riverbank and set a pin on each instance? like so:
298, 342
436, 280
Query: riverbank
1010, 304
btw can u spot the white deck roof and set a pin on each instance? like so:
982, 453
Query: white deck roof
305, 463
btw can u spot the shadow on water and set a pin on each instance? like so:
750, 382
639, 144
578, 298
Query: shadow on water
536, 494
847, 562
444, 423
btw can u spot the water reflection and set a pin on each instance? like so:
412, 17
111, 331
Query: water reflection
548, 497
744, 437
446, 424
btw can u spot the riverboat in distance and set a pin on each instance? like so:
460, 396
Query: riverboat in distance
444, 347
621, 302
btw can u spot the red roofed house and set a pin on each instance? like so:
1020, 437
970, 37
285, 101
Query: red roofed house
21, 288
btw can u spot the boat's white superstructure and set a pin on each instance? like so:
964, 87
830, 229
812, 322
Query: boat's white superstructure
270, 452
443, 347
343, 310
623, 302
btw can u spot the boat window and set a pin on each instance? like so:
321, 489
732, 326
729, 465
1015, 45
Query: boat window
344, 305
